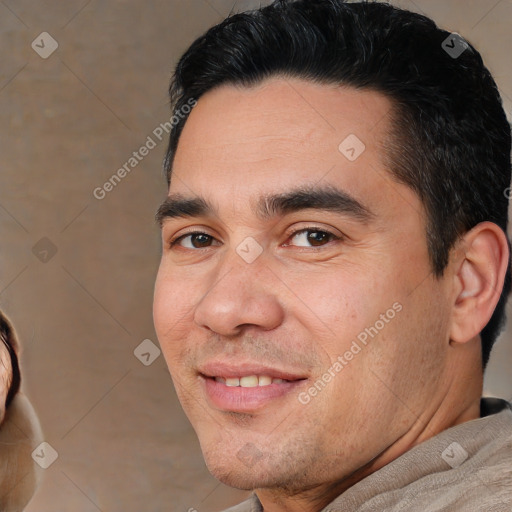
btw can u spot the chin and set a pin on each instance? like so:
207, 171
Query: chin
245, 470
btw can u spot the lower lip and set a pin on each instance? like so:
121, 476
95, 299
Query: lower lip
239, 399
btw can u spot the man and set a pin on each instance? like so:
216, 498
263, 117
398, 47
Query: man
335, 265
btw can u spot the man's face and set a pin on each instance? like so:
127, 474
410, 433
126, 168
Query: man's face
336, 298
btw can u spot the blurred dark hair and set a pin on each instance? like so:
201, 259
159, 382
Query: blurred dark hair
450, 139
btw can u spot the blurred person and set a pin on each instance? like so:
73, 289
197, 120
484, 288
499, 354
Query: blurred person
20, 431
335, 263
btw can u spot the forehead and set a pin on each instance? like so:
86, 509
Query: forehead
283, 112
249, 141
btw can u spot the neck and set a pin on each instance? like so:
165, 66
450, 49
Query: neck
459, 404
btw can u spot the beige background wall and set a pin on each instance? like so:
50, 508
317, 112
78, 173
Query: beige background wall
68, 123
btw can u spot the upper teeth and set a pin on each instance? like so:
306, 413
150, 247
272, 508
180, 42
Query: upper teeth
249, 381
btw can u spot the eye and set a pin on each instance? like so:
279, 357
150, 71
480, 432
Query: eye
195, 240
306, 237
312, 235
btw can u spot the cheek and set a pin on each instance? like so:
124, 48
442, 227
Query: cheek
172, 311
408, 354
339, 303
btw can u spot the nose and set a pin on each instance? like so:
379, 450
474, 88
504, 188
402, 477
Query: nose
242, 294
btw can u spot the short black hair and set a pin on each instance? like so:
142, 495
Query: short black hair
450, 139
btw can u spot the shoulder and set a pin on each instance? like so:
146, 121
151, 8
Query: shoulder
477, 472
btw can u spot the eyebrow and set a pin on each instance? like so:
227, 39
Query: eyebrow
269, 206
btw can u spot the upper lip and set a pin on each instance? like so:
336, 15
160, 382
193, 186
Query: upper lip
233, 370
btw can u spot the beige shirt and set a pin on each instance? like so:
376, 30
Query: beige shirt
465, 468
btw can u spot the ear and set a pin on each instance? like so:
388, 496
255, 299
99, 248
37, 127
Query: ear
482, 264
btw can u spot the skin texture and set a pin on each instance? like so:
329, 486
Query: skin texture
298, 306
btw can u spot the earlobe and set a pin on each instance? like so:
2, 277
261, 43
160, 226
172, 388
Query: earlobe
479, 280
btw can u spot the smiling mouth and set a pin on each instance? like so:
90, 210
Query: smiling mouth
250, 381
247, 393
247, 386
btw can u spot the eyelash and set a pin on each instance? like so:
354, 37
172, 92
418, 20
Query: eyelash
312, 229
